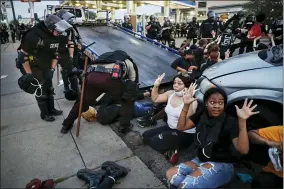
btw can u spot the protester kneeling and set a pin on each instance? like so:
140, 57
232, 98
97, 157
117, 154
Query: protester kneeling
168, 139
220, 140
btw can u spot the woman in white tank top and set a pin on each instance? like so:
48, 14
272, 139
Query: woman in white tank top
168, 139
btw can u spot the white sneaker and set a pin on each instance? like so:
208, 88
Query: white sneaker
275, 159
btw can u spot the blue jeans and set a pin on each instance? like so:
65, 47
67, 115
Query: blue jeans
218, 175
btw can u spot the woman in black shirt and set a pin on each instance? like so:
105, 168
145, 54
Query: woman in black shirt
219, 141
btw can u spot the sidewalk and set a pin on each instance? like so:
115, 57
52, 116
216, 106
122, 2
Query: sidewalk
32, 148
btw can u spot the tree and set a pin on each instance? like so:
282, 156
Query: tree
272, 8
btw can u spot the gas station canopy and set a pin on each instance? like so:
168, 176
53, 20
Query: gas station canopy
107, 5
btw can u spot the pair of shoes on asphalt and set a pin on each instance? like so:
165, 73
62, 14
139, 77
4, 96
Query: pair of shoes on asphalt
108, 169
274, 155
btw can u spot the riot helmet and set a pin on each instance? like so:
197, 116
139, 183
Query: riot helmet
54, 23
194, 19
250, 17
126, 18
211, 14
153, 18
241, 14
65, 15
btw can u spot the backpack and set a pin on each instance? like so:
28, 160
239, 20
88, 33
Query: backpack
254, 32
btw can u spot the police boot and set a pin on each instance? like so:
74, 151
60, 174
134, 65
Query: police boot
114, 170
51, 110
44, 111
93, 178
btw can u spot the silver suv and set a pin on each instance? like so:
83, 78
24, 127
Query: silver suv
258, 76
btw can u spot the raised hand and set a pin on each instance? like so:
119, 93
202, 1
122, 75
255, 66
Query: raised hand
159, 79
188, 95
246, 111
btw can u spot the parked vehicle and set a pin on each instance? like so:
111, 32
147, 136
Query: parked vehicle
78, 11
255, 76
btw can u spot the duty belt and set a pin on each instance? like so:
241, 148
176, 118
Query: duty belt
101, 69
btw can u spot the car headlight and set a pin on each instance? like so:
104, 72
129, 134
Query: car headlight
205, 85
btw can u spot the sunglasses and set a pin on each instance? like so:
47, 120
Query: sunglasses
184, 74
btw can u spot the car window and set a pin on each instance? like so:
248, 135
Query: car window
272, 55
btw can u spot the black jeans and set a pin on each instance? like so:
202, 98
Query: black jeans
163, 139
267, 180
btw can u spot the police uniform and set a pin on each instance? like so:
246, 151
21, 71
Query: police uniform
244, 41
107, 77
67, 63
40, 49
193, 29
207, 27
166, 33
154, 30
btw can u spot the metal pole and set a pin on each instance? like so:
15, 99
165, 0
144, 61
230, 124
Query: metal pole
13, 10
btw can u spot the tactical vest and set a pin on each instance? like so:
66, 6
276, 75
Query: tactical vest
46, 47
117, 57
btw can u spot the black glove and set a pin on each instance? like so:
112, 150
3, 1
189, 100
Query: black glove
50, 73
29, 77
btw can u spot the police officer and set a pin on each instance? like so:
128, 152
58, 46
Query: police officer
166, 32
209, 25
193, 29
233, 26
126, 24
39, 56
153, 28
116, 74
277, 30
66, 50
249, 22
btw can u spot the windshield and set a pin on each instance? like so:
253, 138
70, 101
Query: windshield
76, 12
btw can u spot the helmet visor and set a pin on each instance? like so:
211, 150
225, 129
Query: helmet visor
68, 17
62, 26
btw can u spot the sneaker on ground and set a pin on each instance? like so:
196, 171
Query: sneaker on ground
147, 122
